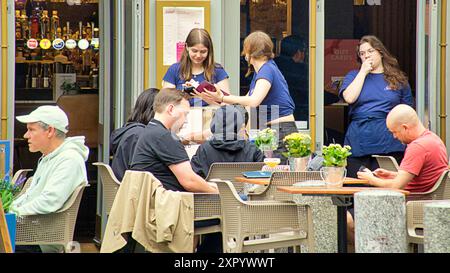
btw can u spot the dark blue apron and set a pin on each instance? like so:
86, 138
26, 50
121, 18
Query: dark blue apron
367, 134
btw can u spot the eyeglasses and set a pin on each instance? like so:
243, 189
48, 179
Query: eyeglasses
363, 53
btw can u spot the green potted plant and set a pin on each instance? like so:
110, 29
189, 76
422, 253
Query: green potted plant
8, 191
298, 146
266, 140
335, 160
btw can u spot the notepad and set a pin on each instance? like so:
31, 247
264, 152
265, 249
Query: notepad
257, 174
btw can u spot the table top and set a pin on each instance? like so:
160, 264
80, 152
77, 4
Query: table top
265, 181
332, 191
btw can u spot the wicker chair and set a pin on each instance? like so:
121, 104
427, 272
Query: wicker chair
207, 207
25, 186
287, 224
414, 208
20, 173
387, 162
283, 179
110, 185
228, 171
440, 190
51, 229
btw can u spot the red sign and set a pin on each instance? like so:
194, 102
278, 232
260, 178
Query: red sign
180, 48
32, 44
340, 58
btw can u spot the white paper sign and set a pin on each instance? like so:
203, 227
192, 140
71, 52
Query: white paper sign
177, 23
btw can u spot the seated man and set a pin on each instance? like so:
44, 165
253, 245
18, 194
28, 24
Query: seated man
60, 169
228, 143
159, 151
425, 157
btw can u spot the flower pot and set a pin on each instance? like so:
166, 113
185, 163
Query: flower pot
333, 176
11, 223
298, 164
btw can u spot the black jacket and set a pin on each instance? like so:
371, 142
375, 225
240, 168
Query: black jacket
215, 150
123, 142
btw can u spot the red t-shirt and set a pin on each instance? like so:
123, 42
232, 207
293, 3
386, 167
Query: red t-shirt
426, 158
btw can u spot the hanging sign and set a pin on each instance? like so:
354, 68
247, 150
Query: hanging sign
83, 44
58, 44
45, 44
71, 44
32, 44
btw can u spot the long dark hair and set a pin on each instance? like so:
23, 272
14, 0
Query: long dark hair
143, 109
395, 77
197, 36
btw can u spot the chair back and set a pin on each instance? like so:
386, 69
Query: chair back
387, 162
110, 185
284, 179
230, 170
19, 174
82, 112
242, 220
25, 186
440, 190
54, 228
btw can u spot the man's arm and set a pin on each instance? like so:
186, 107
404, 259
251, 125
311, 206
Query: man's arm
189, 179
398, 182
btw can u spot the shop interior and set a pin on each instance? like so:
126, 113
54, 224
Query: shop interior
57, 63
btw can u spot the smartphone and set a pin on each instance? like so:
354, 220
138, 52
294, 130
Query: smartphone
189, 90
205, 85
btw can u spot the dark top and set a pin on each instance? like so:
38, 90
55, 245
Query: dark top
367, 133
216, 150
123, 142
156, 150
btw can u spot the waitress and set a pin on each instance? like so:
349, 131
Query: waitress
371, 93
268, 92
196, 65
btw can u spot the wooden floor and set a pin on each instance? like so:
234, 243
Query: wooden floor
89, 248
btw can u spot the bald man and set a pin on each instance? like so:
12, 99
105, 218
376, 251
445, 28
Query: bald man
424, 161
425, 155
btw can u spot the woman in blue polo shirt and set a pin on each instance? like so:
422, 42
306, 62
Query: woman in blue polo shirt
269, 91
196, 65
371, 93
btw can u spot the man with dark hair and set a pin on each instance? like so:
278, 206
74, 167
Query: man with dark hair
159, 150
228, 143
292, 62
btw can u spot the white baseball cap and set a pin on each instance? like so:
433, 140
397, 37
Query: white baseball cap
48, 114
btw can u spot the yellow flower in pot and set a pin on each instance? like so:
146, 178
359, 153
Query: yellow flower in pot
298, 146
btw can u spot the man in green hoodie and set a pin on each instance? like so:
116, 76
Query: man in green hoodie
60, 169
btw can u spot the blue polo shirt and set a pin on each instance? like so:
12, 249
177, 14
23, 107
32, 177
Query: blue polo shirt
367, 133
278, 96
173, 76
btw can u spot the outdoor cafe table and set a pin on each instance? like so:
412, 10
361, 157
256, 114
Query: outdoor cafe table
341, 197
266, 181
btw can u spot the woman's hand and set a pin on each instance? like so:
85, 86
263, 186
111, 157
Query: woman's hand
367, 66
205, 97
216, 97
